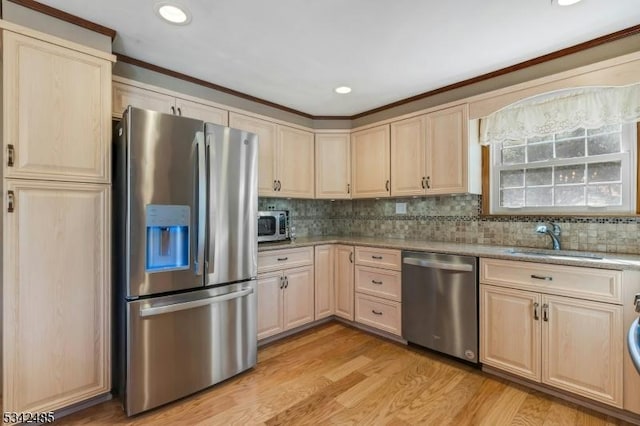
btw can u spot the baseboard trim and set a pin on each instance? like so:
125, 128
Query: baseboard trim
608, 410
82, 405
276, 337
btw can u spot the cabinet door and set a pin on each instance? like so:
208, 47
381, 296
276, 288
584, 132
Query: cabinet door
582, 348
408, 174
324, 279
447, 140
202, 112
125, 95
298, 296
344, 281
370, 163
295, 162
333, 166
270, 304
267, 134
57, 112
510, 330
56, 295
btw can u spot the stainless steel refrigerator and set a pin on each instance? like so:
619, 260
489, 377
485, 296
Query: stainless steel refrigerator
185, 208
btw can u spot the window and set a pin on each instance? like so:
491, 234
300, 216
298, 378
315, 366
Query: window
583, 171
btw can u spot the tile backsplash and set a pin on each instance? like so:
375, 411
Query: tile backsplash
454, 219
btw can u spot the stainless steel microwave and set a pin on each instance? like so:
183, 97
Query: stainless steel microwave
273, 225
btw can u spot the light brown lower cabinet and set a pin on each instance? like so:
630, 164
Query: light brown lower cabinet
324, 265
285, 300
572, 344
344, 258
56, 294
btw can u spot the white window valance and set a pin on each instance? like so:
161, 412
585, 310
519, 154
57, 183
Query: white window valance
564, 111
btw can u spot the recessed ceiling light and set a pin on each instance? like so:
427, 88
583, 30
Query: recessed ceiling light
173, 13
343, 90
567, 2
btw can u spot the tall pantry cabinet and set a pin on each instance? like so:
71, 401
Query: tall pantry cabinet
56, 176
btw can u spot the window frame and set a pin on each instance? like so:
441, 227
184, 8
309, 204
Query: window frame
630, 158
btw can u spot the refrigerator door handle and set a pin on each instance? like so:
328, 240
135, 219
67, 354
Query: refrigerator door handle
211, 208
176, 307
202, 202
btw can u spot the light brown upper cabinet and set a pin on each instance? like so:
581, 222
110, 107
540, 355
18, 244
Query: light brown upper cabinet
430, 154
56, 112
126, 94
285, 159
370, 163
333, 166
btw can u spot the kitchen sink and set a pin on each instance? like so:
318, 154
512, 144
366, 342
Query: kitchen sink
554, 254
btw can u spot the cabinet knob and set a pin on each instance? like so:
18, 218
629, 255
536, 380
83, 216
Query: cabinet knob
11, 198
10, 155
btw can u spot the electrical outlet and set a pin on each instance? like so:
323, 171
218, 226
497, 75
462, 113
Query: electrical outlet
401, 208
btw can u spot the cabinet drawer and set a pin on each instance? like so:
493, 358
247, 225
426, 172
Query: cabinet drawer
379, 313
286, 258
379, 258
378, 282
587, 283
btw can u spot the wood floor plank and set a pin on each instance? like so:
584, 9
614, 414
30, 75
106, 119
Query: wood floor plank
336, 374
315, 406
533, 410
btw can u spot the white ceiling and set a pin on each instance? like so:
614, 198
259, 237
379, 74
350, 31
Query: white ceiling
295, 52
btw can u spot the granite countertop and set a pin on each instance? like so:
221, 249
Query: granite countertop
603, 260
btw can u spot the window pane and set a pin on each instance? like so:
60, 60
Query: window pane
537, 197
605, 195
513, 155
574, 134
547, 138
569, 195
571, 148
539, 152
569, 174
512, 197
604, 172
511, 178
539, 176
512, 143
605, 129
603, 144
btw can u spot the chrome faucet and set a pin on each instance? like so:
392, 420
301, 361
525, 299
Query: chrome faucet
552, 230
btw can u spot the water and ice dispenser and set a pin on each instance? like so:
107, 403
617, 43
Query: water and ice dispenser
167, 237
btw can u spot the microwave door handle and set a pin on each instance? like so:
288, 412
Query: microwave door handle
202, 202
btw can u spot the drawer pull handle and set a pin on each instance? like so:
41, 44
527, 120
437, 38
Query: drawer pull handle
376, 312
376, 282
536, 315
541, 277
377, 257
282, 259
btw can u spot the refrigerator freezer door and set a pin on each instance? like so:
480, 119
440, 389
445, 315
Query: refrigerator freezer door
165, 231
180, 344
233, 205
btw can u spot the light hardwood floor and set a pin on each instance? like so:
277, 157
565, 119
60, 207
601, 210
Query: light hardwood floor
335, 374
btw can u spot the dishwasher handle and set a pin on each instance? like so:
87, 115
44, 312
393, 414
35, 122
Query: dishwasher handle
462, 267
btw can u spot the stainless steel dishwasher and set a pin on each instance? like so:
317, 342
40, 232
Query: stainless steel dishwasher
440, 303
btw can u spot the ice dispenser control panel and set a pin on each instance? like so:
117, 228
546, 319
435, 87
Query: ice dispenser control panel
167, 237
